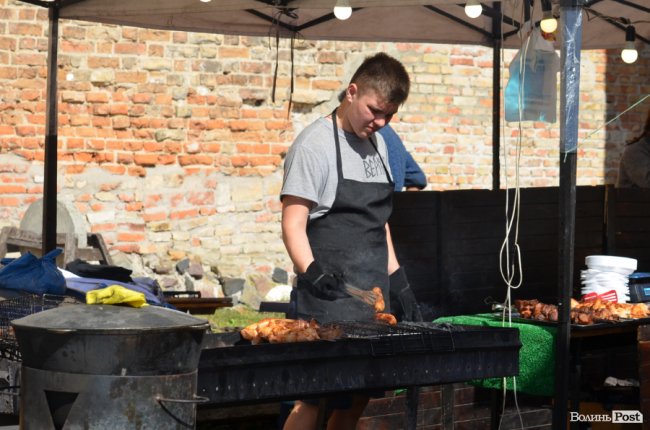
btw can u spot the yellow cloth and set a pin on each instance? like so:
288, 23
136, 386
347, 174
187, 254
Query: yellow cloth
116, 294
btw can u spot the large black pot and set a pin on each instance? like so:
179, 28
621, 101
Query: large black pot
111, 340
109, 367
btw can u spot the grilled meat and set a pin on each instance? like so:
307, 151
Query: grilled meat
386, 318
583, 312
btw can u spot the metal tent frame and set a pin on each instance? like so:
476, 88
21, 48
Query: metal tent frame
313, 19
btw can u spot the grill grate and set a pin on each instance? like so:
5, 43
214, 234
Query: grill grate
18, 307
388, 340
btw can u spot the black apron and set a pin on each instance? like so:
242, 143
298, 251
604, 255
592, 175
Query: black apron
350, 240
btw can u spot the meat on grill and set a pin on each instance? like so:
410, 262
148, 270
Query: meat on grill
386, 318
379, 300
582, 312
280, 330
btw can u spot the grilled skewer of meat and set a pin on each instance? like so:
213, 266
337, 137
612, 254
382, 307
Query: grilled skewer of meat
386, 318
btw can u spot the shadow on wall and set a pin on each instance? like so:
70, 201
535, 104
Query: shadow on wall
625, 85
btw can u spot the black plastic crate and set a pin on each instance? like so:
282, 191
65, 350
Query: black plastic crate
18, 307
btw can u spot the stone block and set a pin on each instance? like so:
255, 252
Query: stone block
168, 283
280, 276
102, 77
262, 283
195, 270
182, 266
250, 296
232, 286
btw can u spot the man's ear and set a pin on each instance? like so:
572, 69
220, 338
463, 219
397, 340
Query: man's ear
351, 92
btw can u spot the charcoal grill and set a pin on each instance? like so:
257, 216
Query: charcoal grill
369, 356
108, 367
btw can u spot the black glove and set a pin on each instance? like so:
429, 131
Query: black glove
402, 300
325, 286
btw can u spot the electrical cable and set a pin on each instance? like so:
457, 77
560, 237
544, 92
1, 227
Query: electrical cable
618, 116
512, 215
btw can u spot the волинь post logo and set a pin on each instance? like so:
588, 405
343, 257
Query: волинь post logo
616, 417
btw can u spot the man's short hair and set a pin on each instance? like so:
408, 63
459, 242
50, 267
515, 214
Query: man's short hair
385, 75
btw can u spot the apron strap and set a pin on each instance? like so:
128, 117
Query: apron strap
339, 163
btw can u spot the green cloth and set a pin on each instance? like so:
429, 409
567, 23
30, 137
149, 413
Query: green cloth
536, 356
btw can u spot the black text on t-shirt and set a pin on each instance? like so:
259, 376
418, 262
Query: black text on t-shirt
373, 166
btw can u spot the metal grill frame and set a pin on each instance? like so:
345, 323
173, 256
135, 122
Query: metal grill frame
244, 373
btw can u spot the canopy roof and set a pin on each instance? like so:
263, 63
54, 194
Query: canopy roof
434, 21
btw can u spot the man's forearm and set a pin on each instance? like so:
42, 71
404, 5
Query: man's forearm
295, 214
298, 249
393, 264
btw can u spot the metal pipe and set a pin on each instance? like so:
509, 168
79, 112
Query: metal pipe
571, 13
51, 136
496, 97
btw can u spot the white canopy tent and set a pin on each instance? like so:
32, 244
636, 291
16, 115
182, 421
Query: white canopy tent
584, 24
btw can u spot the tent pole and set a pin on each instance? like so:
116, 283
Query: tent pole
571, 13
51, 138
496, 96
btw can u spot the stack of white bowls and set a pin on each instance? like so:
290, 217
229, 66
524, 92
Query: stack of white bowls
607, 276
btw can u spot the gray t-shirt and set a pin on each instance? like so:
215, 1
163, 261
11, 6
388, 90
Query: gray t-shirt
310, 167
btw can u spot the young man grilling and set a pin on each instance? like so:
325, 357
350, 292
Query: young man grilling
336, 200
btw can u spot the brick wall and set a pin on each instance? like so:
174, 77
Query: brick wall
170, 143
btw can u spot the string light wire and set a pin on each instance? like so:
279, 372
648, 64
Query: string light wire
512, 215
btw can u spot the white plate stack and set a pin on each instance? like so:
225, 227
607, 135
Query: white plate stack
606, 277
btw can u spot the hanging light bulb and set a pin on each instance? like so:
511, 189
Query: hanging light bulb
473, 8
629, 53
342, 9
69, 76
548, 23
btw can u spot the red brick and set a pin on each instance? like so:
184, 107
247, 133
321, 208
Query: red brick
137, 171
100, 228
12, 189
201, 198
23, 29
239, 161
9, 201
270, 160
97, 97
141, 98
185, 160
130, 237
130, 77
130, 48
233, 52
75, 169
75, 47
155, 216
189, 213
211, 147
330, 57
166, 159
134, 207
115, 170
